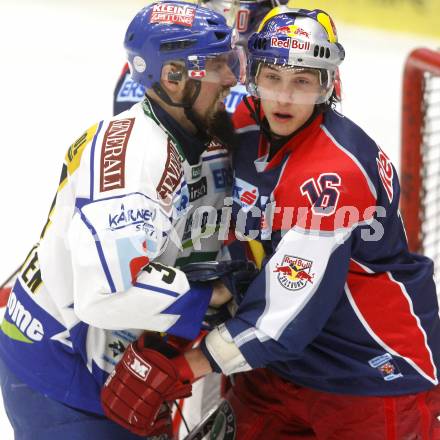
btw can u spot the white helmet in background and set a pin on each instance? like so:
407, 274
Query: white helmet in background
244, 15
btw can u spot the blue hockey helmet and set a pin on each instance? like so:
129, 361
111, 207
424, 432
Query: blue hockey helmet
301, 40
176, 31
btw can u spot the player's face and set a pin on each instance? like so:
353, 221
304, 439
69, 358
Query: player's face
215, 87
288, 97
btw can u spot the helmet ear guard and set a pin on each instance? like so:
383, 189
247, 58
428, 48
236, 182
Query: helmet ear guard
174, 71
175, 76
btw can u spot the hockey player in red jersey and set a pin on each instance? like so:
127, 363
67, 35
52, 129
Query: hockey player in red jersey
343, 318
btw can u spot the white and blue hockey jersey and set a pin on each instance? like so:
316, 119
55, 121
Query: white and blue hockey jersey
129, 209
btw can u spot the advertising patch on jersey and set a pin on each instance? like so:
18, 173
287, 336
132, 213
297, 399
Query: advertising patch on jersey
130, 91
188, 227
224, 427
73, 156
386, 173
222, 175
113, 154
198, 189
131, 216
245, 194
172, 14
181, 201
294, 273
118, 341
117, 347
266, 218
31, 273
386, 366
134, 253
215, 145
171, 176
196, 171
19, 323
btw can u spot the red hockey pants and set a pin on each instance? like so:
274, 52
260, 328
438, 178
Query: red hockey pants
267, 407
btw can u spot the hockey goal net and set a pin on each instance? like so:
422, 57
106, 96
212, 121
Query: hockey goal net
420, 154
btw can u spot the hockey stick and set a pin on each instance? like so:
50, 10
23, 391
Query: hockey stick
219, 423
231, 17
205, 425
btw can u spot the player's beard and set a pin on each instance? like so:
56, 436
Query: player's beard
220, 127
215, 122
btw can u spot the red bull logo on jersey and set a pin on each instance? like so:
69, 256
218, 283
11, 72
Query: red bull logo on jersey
289, 43
294, 273
173, 14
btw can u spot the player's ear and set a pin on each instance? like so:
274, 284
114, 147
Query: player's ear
173, 78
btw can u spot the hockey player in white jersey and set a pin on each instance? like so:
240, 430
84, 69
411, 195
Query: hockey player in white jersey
140, 195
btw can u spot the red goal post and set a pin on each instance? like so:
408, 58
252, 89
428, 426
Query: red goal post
420, 152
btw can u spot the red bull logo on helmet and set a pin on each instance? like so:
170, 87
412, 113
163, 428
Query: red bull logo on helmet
293, 31
289, 43
294, 273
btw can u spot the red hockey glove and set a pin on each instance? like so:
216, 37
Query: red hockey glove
141, 382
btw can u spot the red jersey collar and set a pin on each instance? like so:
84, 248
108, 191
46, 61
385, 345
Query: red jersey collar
302, 136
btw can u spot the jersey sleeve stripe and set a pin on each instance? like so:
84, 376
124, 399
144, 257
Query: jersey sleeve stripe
92, 160
156, 289
100, 252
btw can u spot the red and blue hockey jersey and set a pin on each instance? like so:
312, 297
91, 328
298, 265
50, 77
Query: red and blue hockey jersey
340, 305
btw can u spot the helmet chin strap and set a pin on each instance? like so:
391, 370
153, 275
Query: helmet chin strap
264, 124
163, 95
187, 107
255, 114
